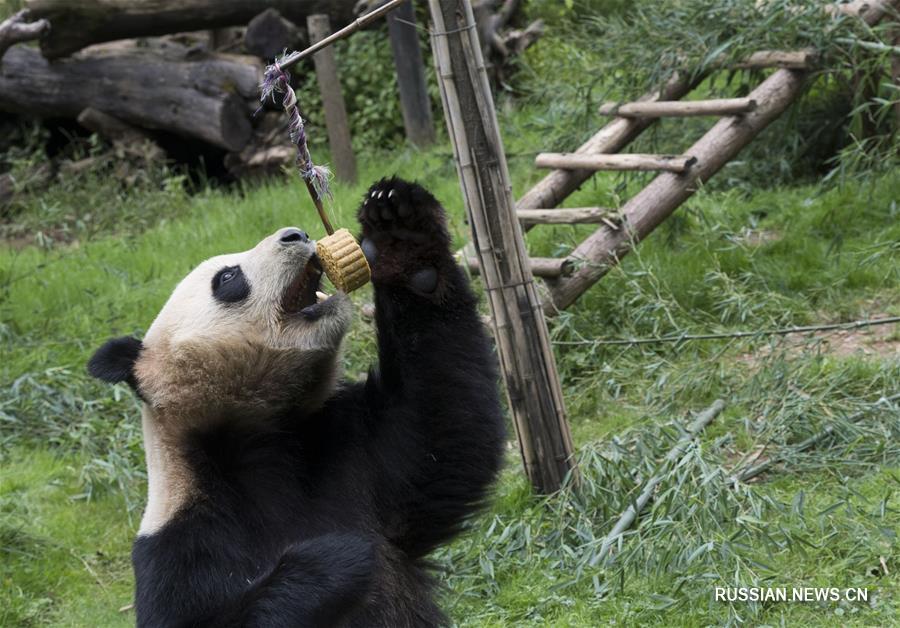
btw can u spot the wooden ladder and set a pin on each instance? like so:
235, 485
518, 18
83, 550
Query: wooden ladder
740, 121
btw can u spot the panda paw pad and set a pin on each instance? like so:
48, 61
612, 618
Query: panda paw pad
402, 210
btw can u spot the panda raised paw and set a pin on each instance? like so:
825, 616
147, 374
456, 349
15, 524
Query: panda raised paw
402, 210
404, 234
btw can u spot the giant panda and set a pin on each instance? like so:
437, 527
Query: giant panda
280, 494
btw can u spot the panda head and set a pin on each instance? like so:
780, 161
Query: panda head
248, 332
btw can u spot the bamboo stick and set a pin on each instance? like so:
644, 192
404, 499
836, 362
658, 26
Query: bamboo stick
520, 331
567, 216
793, 59
545, 267
623, 161
631, 513
679, 108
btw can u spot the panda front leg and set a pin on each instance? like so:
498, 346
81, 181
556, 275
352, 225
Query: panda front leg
435, 392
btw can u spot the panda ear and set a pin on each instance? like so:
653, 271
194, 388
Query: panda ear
114, 361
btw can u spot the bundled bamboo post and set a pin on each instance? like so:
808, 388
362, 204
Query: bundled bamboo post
523, 342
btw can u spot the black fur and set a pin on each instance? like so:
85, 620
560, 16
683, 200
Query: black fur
230, 285
327, 520
114, 361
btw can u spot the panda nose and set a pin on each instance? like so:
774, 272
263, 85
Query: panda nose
293, 235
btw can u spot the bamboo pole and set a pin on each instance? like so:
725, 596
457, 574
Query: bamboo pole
621, 161
631, 513
523, 342
679, 108
790, 59
544, 267
567, 216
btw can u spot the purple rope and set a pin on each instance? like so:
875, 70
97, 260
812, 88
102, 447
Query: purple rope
277, 80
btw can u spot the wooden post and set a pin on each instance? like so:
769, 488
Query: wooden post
344, 162
414, 101
523, 343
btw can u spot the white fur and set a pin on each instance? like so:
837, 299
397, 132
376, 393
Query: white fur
200, 356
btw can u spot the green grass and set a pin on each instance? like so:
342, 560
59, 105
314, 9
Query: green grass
71, 468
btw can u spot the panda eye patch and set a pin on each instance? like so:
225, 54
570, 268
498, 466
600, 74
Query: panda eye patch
230, 285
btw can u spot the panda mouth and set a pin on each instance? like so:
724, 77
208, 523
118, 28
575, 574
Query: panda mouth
303, 296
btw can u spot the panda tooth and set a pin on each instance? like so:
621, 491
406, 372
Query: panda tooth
320, 296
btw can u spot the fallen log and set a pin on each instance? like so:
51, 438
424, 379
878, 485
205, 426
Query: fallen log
209, 98
76, 25
131, 140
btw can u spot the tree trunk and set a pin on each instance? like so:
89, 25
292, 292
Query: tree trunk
210, 98
76, 25
523, 342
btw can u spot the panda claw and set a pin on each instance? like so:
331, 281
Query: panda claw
381, 194
392, 193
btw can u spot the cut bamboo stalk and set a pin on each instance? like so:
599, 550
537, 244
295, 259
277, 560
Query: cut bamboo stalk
520, 330
624, 161
790, 59
567, 216
679, 108
544, 267
675, 454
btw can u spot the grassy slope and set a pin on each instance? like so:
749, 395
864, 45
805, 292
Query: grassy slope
832, 256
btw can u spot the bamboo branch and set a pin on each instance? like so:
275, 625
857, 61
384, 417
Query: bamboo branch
751, 472
736, 334
631, 513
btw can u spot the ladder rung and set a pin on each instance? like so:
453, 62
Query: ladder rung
793, 59
680, 108
566, 216
623, 161
545, 267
